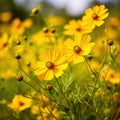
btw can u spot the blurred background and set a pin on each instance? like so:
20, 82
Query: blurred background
70, 8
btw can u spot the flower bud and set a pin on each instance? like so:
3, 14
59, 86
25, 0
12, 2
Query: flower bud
18, 42
20, 77
35, 11
53, 31
49, 87
110, 42
25, 38
45, 30
18, 57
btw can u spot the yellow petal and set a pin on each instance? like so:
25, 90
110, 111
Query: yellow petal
49, 75
87, 49
69, 43
78, 59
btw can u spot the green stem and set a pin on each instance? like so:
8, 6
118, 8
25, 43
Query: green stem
63, 95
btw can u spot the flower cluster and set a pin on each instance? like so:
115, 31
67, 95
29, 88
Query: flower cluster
50, 73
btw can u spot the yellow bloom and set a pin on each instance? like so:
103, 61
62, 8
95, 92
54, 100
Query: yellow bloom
43, 39
95, 16
4, 43
111, 75
20, 103
17, 27
5, 16
50, 65
76, 50
49, 114
76, 27
28, 23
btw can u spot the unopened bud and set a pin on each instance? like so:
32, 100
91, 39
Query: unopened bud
45, 30
90, 57
108, 87
18, 57
49, 87
18, 42
35, 11
110, 42
28, 64
20, 77
25, 38
53, 30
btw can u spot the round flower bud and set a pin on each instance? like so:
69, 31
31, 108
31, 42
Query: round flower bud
110, 42
28, 64
20, 77
25, 38
18, 57
18, 42
90, 57
35, 11
45, 30
53, 30
49, 87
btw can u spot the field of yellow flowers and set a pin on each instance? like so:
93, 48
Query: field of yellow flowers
60, 70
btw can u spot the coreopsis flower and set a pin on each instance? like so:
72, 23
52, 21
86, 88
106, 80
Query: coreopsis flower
43, 102
16, 27
50, 66
110, 75
5, 16
77, 27
20, 103
95, 17
43, 39
35, 11
28, 23
49, 114
4, 43
76, 50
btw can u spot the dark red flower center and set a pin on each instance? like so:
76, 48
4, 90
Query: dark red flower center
4, 45
49, 65
95, 16
77, 49
21, 103
78, 29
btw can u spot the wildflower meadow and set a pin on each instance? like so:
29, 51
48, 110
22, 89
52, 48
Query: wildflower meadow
61, 68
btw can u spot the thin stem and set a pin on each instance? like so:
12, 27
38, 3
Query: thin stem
26, 73
62, 93
31, 79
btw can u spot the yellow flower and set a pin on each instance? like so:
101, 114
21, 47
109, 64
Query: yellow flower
49, 114
20, 103
43, 39
28, 23
17, 27
4, 43
111, 75
76, 27
95, 16
76, 50
5, 16
50, 65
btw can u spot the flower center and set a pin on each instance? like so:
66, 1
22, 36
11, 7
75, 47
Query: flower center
21, 103
77, 49
94, 16
78, 29
49, 65
4, 45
